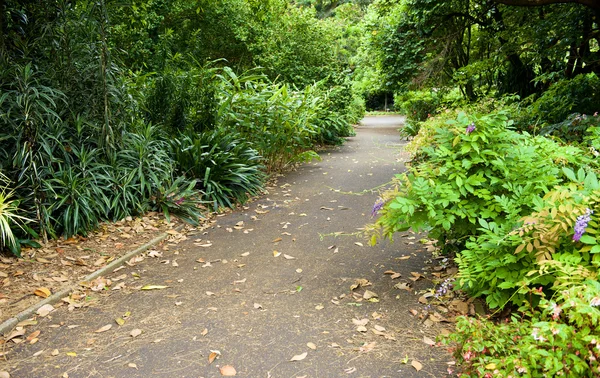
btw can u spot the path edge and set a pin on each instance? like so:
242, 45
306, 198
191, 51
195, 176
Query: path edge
10, 323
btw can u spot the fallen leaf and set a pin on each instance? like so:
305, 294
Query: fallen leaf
369, 294
379, 328
14, 334
45, 310
135, 333
132, 365
43, 292
350, 370
212, 357
103, 329
210, 293
245, 254
277, 240
402, 286
358, 244
71, 354
204, 332
33, 335
361, 329
311, 346
299, 357
55, 352
417, 365
276, 254
361, 322
367, 347
428, 341
153, 287
258, 306
288, 257
120, 321
227, 371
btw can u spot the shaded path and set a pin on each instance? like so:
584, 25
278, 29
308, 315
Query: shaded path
256, 309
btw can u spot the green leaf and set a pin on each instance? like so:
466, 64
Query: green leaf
569, 173
588, 239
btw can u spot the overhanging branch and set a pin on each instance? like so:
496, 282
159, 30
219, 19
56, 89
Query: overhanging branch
536, 3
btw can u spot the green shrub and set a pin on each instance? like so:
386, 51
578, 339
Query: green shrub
578, 95
474, 169
560, 340
417, 105
574, 129
226, 167
181, 100
505, 261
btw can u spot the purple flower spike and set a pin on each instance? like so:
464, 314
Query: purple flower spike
581, 224
470, 128
377, 206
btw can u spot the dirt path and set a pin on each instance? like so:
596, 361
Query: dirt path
258, 308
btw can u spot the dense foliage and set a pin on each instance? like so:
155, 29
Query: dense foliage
113, 109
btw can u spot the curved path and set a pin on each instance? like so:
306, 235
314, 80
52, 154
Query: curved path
259, 309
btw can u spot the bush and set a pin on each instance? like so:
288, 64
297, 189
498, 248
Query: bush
505, 261
575, 128
475, 169
578, 95
417, 105
226, 167
560, 340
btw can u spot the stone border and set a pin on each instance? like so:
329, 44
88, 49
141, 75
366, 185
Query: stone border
10, 323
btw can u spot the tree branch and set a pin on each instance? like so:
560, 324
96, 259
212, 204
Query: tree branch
536, 3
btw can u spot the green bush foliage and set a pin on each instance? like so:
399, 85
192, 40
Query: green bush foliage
521, 214
226, 167
560, 340
417, 105
580, 94
474, 169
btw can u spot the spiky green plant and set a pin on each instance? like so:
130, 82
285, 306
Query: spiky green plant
9, 217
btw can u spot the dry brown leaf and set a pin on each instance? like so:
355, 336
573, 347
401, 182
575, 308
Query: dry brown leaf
379, 328
227, 371
417, 365
361, 322
299, 357
45, 310
277, 240
358, 244
43, 292
288, 257
311, 346
361, 329
428, 341
135, 333
14, 334
204, 332
33, 335
369, 294
103, 329
212, 357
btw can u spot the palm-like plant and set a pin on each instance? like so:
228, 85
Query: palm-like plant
9, 216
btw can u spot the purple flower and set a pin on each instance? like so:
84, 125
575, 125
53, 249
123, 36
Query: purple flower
377, 206
581, 224
470, 128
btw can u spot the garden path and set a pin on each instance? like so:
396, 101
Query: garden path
273, 282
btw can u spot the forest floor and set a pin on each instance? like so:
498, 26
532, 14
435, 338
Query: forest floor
282, 287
